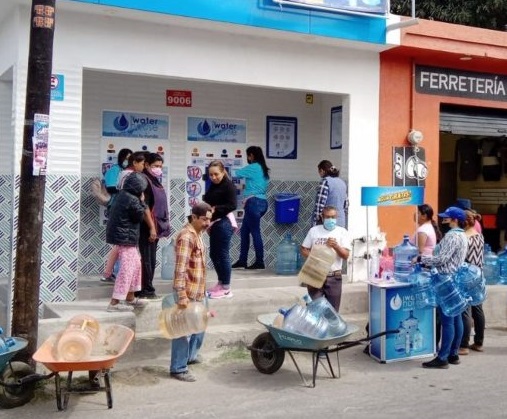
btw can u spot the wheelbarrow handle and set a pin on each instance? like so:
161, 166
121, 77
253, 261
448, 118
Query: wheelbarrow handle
33, 378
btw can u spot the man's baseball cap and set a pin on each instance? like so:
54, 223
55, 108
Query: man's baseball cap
454, 213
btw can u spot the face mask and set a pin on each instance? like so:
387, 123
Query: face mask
329, 223
444, 228
156, 171
125, 164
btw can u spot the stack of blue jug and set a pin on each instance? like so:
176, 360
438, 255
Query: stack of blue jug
490, 267
404, 253
471, 283
447, 294
502, 267
424, 295
287, 257
321, 307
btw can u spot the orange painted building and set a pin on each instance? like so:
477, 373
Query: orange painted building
438, 65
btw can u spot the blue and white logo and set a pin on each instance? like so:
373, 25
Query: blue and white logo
396, 302
121, 123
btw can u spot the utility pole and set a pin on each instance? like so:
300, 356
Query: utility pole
25, 316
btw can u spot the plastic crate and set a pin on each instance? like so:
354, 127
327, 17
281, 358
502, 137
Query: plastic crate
287, 208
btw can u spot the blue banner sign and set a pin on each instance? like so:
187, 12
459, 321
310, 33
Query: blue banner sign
135, 125
216, 130
391, 195
362, 6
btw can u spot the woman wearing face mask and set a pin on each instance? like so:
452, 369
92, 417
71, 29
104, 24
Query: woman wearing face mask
221, 195
155, 225
338, 239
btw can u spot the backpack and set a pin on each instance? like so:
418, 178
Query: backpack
468, 158
99, 192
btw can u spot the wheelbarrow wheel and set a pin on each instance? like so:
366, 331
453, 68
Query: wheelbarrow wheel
267, 356
16, 396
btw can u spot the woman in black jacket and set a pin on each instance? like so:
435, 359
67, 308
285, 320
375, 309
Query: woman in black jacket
221, 195
122, 230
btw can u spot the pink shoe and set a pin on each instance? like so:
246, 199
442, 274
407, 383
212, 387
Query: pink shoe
222, 293
215, 288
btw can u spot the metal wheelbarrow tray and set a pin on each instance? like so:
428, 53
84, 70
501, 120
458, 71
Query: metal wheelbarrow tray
268, 349
111, 343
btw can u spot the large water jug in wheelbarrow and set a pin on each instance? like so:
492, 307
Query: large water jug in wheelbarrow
77, 340
299, 319
320, 307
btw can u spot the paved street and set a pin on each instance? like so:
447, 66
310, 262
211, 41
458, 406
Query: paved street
229, 386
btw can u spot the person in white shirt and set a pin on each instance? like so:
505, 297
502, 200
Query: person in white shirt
338, 239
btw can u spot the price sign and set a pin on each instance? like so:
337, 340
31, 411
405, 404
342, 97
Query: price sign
179, 98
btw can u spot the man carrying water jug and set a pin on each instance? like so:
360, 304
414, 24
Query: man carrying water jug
336, 238
190, 285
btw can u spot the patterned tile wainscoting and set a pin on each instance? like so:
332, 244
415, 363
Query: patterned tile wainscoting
5, 225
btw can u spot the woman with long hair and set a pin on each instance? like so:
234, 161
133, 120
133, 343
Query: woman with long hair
427, 234
256, 175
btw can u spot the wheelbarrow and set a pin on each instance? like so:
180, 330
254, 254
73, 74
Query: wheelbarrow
111, 343
268, 349
14, 392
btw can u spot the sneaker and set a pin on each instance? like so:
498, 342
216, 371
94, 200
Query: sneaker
436, 363
197, 360
221, 293
136, 303
121, 306
183, 376
215, 288
463, 351
108, 279
256, 265
238, 265
477, 348
453, 359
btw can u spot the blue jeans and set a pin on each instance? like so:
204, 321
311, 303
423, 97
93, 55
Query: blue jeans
184, 349
255, 208
220, 236
452, 332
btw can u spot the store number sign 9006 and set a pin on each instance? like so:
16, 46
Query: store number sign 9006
181, 98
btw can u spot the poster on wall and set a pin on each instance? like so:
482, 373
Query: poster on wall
281, 137
40, 144
217, 130
336, 127
409, 166
135, 125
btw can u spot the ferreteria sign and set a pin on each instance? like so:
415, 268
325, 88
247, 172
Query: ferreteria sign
450, 82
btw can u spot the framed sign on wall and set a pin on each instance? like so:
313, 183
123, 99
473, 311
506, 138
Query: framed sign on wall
336, 127
281, 137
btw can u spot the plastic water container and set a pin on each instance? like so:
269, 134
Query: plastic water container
5, 343
287, 257
490, 267
317, 266
321, 307
403, 255
386, 265
502, 266
471, 283
424, 294
175, 322
447, 294
168, 261
298, 319
77, 340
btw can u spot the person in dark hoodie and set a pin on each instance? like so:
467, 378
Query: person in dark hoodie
122, 230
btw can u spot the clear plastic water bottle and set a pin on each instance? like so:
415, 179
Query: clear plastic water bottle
502, 266
77, 340
175, 322
5, 343
490, 267
447, 294
321, 307
299, 320
168, 261
287, 257
404, 253
471, 283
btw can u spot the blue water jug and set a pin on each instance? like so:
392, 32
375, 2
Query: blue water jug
5, 343
424, 295
321, 307
502, 266
447, 294
404, 253
168, 261
287, 257
299, 320
490, 267
471, 283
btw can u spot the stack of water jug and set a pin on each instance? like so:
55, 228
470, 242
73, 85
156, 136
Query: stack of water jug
451, 292
5, 343
495, 266
316, 319
409, 338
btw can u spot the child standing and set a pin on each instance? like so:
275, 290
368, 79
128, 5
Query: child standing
122, 230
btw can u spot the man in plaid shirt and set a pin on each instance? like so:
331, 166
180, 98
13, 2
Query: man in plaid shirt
189, 284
